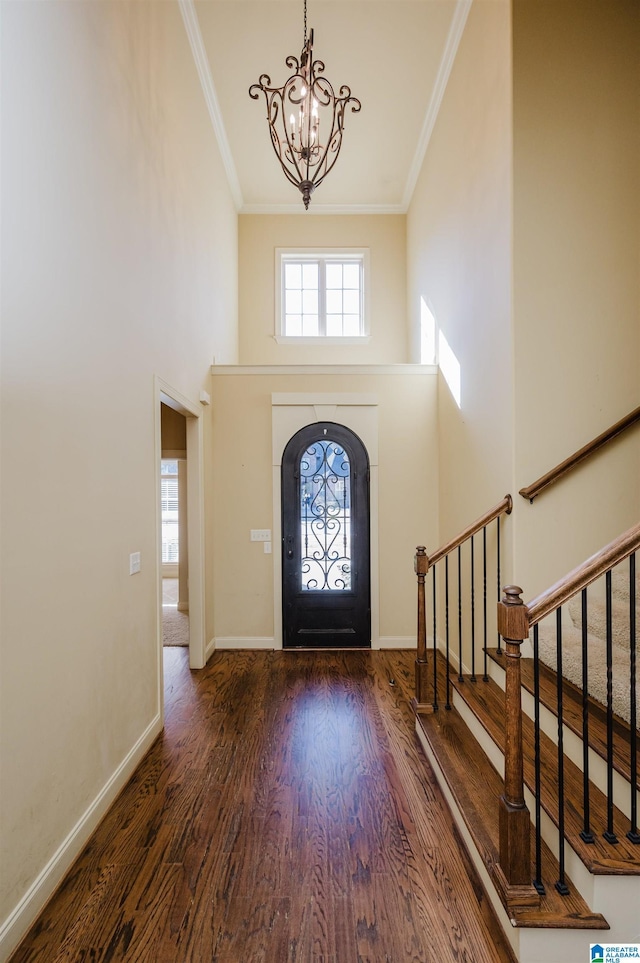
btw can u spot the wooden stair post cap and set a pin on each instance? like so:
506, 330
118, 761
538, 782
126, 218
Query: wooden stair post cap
513, 615
421, 563
512, 595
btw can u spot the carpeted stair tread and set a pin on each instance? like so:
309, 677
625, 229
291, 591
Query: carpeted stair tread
477, 787
572, 712
596, 664
486, 701
623, 613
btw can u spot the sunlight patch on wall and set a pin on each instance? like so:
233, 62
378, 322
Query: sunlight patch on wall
427, 334
450, 367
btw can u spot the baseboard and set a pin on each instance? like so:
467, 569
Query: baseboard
17, 924
244, 642
396, 642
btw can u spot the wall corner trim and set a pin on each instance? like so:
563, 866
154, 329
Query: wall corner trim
15, 927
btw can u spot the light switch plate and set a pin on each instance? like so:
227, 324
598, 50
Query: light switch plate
134, 563
260, 534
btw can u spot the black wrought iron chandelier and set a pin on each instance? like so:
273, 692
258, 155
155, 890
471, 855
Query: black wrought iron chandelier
306, 119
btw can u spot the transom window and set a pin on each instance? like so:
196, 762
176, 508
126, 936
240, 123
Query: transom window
322, 295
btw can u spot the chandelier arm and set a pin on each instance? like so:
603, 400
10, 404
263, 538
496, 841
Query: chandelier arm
286, 155
336, 137
323, 167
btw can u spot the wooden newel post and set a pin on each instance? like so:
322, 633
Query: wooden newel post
513, 874
421, 567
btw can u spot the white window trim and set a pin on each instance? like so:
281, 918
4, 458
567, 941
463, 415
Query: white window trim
283, 254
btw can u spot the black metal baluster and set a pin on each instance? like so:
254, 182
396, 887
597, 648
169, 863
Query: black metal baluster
473, 617
561, 885
435, 646
586, 833
498, 560
447, 704
485, 677
633, 833
460, 676
538, 884
609, 833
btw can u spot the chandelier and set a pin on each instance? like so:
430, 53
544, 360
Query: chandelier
305, 118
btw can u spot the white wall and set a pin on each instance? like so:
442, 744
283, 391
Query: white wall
383, 235
576, 274
119, 263
459, 264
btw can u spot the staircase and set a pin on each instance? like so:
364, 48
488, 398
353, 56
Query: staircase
533, 738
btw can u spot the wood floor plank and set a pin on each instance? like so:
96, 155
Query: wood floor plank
286, 814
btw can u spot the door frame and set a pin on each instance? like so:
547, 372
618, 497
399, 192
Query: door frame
291, 411
166, 394
354, 605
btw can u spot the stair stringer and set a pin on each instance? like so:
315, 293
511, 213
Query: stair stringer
512, 932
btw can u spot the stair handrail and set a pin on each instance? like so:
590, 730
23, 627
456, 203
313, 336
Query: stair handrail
504, 507
583, 575
422, 564
552, 476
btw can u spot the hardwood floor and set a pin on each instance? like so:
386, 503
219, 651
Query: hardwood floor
285, 815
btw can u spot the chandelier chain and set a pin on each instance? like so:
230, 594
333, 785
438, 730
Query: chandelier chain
305, 23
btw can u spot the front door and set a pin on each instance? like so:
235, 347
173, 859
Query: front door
326, 590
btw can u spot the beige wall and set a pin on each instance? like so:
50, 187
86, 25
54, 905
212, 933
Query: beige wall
118, 264
173, 427
576, 257
242, 597
459, 263
261, 234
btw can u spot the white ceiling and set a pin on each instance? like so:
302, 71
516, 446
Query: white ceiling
395, 55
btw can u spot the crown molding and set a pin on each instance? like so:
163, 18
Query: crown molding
444, 71
327, 209
323, 369
192, 27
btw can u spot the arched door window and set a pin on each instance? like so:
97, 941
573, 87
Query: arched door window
325, 515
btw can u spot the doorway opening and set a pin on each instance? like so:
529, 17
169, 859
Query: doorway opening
326, 585
179, 438
173, 507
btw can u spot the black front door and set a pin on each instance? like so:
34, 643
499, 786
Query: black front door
326, 591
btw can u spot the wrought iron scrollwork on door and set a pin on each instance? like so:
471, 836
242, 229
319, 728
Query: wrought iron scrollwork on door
325, 517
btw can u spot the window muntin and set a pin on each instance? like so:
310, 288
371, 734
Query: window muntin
322, 295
